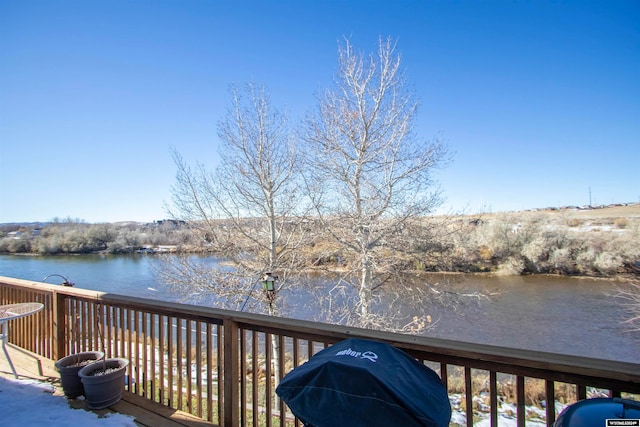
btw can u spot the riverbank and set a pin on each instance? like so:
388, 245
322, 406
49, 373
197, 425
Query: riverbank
628, 272
567, 241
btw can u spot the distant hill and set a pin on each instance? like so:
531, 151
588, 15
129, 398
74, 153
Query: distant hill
618, 210
626, 210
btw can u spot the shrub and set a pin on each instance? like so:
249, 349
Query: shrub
585, 260
537, 253
607, 263
14, 246
620, 223
511, 267
485, 253
573, 222
561, 261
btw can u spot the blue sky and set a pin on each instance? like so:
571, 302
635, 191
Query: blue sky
540, 101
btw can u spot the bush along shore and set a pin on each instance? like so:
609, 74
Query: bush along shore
569, 241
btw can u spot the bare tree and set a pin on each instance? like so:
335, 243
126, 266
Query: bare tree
369, 175
247, 208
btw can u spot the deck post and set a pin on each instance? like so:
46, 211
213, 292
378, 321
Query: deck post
231, 402
59, 326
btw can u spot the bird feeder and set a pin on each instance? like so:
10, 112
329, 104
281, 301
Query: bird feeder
268, 282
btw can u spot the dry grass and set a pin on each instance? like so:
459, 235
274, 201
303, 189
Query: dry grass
603, 213
609, 212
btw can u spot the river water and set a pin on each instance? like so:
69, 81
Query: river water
544, 313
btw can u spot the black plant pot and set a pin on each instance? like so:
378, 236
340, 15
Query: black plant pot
69, 366
103, 387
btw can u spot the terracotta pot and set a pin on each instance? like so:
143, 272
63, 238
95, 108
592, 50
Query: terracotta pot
68, 368
103, 388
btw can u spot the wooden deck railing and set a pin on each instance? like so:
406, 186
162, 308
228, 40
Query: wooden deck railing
220, 365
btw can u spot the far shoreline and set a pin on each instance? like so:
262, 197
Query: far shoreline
620, 277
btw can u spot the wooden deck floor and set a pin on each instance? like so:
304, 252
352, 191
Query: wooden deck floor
145, 412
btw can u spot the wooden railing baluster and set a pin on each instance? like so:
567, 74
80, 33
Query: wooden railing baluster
243, 376
209, 383
254, 376
199, 367
493, 397
188, 365
581, 392
220, 353
282, 408
134, 352
268, 374
550, 396
179, 364
152, 380
162, 351
170, 387
520, 401
468, 395
143, 384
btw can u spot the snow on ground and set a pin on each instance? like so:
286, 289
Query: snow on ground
29, 403
506, 421
506, 414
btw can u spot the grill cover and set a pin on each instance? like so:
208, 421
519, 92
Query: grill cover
365, 383
595, 412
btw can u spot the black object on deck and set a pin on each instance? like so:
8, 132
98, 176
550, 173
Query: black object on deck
595, 412
365, 383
